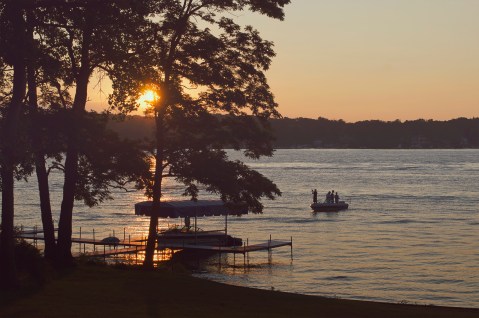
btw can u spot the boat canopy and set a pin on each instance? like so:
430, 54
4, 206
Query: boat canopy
188, 208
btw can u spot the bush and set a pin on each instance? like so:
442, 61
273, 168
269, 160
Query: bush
29, 261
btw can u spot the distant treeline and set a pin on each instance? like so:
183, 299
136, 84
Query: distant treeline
325, 133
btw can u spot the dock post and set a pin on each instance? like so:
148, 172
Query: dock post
129, 239
94, 241
104, 252
219, 258
226, 227
291, 248
79, 243
247, 255
35, 235
244, 254
270, 251
124, 234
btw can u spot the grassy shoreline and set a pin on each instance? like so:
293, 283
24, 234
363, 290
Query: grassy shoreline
100, 291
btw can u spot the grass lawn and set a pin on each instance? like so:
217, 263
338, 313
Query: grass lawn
100, 291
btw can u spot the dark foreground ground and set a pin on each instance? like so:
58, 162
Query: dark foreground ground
99, 291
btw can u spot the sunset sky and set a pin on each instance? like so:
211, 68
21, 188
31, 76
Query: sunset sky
373, 59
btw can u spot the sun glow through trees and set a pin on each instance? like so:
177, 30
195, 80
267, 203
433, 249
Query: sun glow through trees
146, 100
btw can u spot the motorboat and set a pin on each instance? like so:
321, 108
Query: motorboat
191, 234
329, 206
188, 235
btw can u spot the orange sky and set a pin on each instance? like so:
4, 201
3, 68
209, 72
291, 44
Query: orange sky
373, 59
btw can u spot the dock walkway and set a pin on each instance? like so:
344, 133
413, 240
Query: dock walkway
135, 245
228, 249
133, 242
111, 252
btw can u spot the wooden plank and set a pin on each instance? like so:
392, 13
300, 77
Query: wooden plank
132, 242
110, 252
137, 245
99, 242
226, 249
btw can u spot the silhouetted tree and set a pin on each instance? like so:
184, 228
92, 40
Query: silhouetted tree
42, 68
13, 52
227, 68
86, 38
61, 45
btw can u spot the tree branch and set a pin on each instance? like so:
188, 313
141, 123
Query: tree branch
60, 94
69, 3
71, 54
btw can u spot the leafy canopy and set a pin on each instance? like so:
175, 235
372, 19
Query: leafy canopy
209, 74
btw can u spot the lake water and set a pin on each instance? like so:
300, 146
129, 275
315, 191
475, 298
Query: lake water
411, 233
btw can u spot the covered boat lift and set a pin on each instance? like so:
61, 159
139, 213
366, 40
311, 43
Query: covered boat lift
188, 208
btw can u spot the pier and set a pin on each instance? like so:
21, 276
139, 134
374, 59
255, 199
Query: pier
137, 245
186, 209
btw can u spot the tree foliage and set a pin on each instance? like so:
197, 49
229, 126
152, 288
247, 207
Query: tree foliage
324, 133
201, 63
192, 52
62, 44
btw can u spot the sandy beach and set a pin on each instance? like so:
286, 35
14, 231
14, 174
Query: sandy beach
99, 291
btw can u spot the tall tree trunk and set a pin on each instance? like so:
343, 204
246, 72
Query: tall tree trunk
7, 260
39, 155
64, 255
45, 205
15, 18
152, 232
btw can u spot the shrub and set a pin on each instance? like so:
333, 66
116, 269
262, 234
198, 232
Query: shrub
29, 261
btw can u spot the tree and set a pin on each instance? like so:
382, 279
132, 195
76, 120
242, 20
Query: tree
86, 38
12, 40
226, 68
61, 43
44, 69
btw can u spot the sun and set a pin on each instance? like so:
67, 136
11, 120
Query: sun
147, 98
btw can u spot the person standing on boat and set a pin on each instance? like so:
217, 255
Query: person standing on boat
328, 197
315, 196
336, 198
332, 197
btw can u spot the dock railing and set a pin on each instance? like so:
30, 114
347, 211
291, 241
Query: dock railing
135, 245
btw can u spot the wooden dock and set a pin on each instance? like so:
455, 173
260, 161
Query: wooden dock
134, 242
136, 245
227, 249
111, 252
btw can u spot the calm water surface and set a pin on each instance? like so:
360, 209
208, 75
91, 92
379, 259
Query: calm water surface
411, 233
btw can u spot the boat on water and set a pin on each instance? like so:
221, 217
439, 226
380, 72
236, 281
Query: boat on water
188, 235
329, 206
